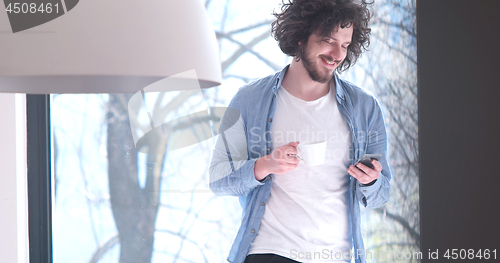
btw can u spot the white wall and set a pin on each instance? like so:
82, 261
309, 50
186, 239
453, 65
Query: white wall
13, 192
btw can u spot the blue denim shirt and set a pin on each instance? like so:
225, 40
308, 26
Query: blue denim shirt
250, 115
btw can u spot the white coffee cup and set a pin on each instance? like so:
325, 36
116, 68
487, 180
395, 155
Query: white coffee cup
312, 153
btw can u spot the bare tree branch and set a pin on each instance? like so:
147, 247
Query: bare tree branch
243, 29
398, 50
79, 150
246, 48
183, 237
414, 234
400, 26
175, 103
245, 79
104, 248
403, 244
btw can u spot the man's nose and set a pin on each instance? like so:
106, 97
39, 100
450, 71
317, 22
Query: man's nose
336, 52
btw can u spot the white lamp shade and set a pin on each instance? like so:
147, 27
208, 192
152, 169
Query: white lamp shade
111, 46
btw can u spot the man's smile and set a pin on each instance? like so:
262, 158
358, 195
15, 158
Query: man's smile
330, 62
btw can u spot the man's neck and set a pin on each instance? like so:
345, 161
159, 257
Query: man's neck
298, 83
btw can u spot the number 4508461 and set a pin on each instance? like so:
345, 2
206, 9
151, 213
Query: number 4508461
470, 254
32, 8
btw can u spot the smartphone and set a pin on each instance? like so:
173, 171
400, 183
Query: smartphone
366, 159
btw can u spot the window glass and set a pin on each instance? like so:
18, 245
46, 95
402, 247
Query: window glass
160, 204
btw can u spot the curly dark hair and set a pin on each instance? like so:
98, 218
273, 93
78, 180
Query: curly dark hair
301, 18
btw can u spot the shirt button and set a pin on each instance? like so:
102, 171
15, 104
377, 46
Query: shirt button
253, 231
364, 191
262, 204
270, 120
268, 149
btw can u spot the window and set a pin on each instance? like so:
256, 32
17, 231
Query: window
102, 189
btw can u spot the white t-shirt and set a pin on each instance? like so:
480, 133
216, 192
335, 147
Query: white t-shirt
306, 217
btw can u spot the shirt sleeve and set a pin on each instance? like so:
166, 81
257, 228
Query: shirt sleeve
376, 194
230, 171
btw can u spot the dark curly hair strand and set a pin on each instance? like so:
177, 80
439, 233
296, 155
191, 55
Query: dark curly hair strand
301, 18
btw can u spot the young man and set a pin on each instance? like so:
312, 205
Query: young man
294, 212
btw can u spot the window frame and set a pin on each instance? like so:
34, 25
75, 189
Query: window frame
38, 146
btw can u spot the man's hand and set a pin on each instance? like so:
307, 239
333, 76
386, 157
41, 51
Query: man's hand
278, 162
367, 174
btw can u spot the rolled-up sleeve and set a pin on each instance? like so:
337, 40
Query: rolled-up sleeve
377, 194
231, 171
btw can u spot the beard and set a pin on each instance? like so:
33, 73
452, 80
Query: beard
312, 69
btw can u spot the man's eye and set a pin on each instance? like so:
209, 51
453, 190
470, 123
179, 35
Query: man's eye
328, 41
344, 47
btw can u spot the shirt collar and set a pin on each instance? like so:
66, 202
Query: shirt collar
339, 89
280, 79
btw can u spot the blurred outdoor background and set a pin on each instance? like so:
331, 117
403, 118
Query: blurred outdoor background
112, 203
